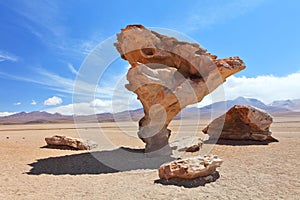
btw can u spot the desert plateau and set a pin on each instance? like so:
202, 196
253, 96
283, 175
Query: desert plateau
249, 171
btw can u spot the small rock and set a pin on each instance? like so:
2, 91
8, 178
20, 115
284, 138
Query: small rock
190, 183
76, 143
187, 144
190, 168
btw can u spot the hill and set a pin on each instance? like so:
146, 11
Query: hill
214, 110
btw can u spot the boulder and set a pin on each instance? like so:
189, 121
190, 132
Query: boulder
190, 183
190, 168
167, 75
241, 123
59, 140
187, 144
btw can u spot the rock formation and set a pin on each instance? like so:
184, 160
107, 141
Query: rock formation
79, 144
241, 123
190, 168
167, 75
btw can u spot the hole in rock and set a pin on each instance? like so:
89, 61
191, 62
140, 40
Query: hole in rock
148, 51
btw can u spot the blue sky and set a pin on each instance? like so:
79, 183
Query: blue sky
44, 43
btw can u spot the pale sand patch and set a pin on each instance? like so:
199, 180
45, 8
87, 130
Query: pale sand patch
248, 172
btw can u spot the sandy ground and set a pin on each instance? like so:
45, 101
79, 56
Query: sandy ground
29, 171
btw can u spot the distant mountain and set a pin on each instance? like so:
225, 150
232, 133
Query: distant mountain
293, 105
219, 108
258, 104
35, 117
214, 110
129, 115
44, 117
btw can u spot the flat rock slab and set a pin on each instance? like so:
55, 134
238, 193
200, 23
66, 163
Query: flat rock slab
79, 144
187, 144
241, 123
190, 168
190, 183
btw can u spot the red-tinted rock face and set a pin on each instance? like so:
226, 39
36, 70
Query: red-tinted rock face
79, 144
167, 75
190, 168
241, 123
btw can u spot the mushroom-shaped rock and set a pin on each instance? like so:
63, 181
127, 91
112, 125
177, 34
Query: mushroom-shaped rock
241, 123
60, 140
167, 75
190, 168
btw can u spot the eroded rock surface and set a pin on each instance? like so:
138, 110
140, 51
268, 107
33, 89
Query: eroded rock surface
187, 144
59, 140
190, 168
241, 123
167, 75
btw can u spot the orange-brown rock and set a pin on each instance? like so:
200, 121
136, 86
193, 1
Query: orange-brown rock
167, 75
190, 168
59, 140
241, 123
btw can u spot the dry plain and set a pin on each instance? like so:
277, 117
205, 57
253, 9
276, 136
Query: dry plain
118, 169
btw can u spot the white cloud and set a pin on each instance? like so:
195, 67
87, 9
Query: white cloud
3, 114
97, 106
33, 102
17, 103
66, 85
267, 88
82, 108
99, 103
5, 56
50, 80
72, 69
53, 101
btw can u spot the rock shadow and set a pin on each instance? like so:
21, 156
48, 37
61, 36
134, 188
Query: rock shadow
60, 147
238, 142
190, 183
98, 162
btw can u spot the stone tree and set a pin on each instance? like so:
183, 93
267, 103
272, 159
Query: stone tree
167, 75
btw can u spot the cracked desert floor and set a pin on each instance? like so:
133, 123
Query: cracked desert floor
249, 171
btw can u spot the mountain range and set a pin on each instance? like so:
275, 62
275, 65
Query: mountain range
214, 110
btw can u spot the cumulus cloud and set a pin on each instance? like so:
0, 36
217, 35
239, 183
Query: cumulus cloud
267, 88
99, 103
96, 106
53, 101
17, 103
90, 108
33, 102
3, 114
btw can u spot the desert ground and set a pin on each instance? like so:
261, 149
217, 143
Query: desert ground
117, 168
